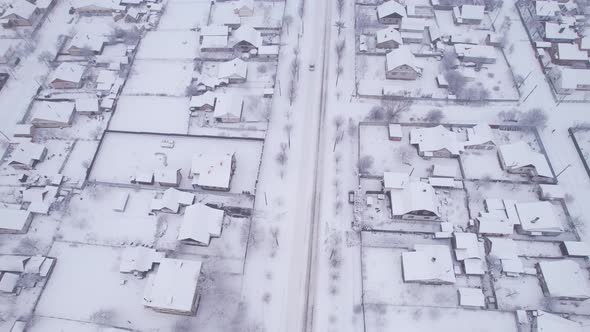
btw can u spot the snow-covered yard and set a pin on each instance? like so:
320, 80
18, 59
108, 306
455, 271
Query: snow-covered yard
169, 45
184, 15
153, 77
151, 114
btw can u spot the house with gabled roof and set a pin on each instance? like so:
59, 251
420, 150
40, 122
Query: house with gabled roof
67, 76
390, 12
19, 13
401, 64
235, 71
388, 38
468, 14
245, 39
436, 142
200, 223
213, 171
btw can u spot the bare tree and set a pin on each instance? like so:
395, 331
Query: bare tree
377, 113
339, 71
352, 127
449, 60
363, 21
46, 57
340, 46
301, 12
434, 116
509, 115
395, 108
535, 117
287, 21
364, 164
339, 25
338, 122
474, 93
456, 81
282, 158
288, 128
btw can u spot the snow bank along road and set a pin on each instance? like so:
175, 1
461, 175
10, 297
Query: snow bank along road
314, 50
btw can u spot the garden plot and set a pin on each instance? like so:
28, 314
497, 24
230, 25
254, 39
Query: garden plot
478, 192
184, 15
83, 127
478, 33
37, 240
523, 292
91, 218
87, 286
484, 164
583, 139
395, 155
384, 284
172, 45
512, 136
266, 14
151, 114
122, 155
78, 163
260, 75
152, 77
412, 319
366, 20
453, 207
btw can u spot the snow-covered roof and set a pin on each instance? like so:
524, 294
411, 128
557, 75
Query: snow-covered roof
174, 286
106, 79
212, 169
8, 282
207, 98
172, 200
98, 4
52, 112
572, 78
268, 50
506, 250
87, 105
559, 31
19, 8
246, 33
538, 217
415, 196
13, 220
228, 107
547, 8
215, 30
479, 134
395, 130
472, 12
69, 72
140, 259
387, 34
585, 43
40, 198
402, 56
491, 223
428, 263
167, 175
567, 51
519, 154
28, 153
412, 24
214, 42
391, 8
233, 69
565, 279
466, 246
91, 41
577, 248
13, 263
395, 180
475, 51
200, 223
471, 297
548, 322
437, 138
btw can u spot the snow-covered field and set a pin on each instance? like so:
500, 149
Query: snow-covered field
168, 115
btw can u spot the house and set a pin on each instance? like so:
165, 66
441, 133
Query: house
143, 177
494, 223
475, 53
168, 176
139, 259
569, 55
564, 280
547, 10
388, 38
412, 29
200, 223
422, 11
471, 297
505, 251
575, 249
50, 114
19, 13
213, 171
395, 132
436, 142
567, 80
547, 322
8, 282
229, 109
245, 39
244, 8
584, 43
26, 155
84, 43
480, 137
468, 251
559, 33
494, 39
173, 288
87, 106
538, 218
390, 12
204, 102
226, 16
40, 199
468, 14
67, 76
268, 52
401, 64
23, 130
172, 200
13, 221
444, 171
106, 80
416, 200
214, 37
519, 158
428, 264
395, 180
97, 7
235, 71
